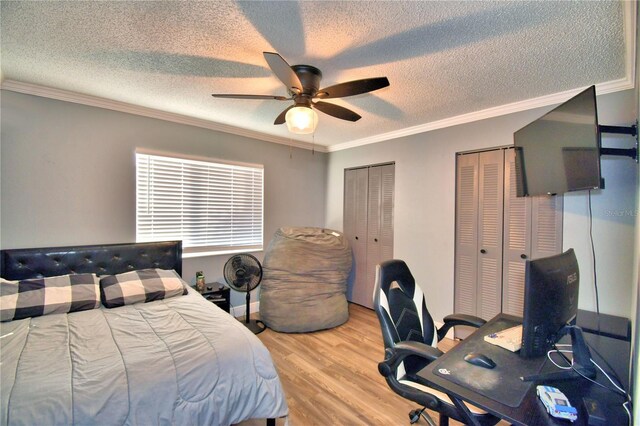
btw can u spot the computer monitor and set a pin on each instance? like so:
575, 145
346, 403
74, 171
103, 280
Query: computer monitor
550, 301
550, 308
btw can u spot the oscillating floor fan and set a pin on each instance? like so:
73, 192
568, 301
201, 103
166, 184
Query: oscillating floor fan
243, 273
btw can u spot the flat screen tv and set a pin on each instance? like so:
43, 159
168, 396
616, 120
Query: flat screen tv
560, 151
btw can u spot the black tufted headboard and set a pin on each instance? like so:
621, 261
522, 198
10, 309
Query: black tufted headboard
106, 259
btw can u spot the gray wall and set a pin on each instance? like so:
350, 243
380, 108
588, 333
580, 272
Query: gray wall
68, 175
425, 204
635, 356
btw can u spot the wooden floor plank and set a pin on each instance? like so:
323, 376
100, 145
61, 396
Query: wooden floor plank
331, 376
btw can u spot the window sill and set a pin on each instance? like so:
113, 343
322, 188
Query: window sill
186, 255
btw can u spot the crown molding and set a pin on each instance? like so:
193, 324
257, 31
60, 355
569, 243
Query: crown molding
95, 101
626, 83
542, 101
630, 38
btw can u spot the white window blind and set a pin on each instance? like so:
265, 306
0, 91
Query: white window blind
211, 207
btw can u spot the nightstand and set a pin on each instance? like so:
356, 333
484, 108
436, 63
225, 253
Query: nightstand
218, 296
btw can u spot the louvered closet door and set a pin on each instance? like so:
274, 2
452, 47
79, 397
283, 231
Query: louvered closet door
517, 241
386, 211
355, 228
466, 260
373, 233
532, 229
379, 224
496, 232
546, 229
490, 223
349, 215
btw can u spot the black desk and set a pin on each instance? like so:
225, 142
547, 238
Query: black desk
604, 324
531, 411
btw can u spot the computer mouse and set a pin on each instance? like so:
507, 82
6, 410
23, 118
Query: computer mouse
479, 359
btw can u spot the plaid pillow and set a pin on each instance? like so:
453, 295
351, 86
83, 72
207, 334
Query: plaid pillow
50, 295
144, 285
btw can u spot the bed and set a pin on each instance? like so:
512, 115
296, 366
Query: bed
179, 360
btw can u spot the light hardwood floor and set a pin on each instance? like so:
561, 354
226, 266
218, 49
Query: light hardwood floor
331, 376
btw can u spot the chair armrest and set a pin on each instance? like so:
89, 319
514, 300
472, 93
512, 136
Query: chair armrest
459, 319
394, 356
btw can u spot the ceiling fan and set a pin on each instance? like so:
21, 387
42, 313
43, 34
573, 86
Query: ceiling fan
303, 87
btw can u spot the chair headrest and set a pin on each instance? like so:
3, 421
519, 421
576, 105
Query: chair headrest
396, 271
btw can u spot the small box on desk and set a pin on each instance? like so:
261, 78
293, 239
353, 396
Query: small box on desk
595, 415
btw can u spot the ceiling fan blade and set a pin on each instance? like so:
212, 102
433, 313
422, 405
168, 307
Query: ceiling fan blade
337, 111
234, 96
281, 118
352, 88
283, 71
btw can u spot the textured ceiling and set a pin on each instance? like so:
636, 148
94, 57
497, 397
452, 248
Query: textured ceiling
443, 59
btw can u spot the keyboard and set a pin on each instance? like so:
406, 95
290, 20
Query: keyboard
510, 339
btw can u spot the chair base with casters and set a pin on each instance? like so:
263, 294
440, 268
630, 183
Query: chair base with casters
410, 338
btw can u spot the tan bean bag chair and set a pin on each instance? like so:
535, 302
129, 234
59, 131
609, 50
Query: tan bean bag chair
304, 280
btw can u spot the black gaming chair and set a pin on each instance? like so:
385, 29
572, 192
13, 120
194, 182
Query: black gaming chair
410, 339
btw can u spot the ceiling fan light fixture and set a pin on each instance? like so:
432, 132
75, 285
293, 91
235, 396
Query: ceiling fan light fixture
303, 87
301, 120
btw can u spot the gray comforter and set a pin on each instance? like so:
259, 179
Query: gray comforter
180, 361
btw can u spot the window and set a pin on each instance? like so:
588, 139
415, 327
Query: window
213, 208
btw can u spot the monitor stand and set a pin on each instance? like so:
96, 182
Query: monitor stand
582, 365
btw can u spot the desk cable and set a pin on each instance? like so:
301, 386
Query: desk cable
558, 351
618, 389
593, 254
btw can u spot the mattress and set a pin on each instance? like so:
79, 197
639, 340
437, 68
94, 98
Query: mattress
179, 361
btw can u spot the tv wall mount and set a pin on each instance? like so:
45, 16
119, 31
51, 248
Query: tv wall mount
621, 130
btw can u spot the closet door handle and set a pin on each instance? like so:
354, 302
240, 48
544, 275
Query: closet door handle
483, 251
375, 239
356, 238
523, 256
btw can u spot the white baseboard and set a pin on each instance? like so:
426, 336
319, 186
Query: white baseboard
239, 310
